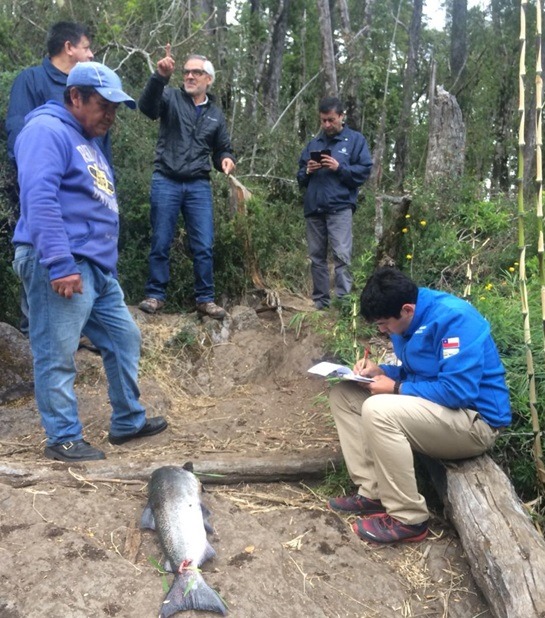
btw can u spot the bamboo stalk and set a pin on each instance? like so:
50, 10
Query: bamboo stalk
538, 450
525, 309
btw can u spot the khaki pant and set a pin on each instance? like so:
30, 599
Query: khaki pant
378, 433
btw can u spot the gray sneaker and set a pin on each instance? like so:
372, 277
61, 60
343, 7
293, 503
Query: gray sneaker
211, 310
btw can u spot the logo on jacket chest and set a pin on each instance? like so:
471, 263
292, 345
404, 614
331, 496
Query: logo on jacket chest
99, 171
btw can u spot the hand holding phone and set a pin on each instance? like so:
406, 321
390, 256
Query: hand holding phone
327, 161
316, 155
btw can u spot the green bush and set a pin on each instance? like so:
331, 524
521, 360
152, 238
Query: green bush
500, 303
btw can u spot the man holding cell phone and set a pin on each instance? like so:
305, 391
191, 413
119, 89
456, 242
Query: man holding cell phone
332, 168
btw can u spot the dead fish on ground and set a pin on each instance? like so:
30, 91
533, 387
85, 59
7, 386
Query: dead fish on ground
175, 511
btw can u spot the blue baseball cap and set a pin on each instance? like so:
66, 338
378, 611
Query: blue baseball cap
102, 79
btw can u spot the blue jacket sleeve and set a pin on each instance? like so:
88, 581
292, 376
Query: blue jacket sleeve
222, 145
302, 176
41, 161
393, 371
23, 99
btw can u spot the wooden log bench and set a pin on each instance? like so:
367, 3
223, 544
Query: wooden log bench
504, 550
220, 469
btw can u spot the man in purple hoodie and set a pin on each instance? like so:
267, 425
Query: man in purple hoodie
66, 257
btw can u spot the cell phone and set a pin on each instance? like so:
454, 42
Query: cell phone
316, 155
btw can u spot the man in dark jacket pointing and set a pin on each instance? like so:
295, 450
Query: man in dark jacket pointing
192, 130
332, 168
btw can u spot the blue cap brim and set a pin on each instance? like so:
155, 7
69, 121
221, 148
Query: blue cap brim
117, 96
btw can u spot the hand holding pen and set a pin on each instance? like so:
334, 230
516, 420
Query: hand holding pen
366, 367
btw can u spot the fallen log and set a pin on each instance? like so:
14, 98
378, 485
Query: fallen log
222, 469
504, 550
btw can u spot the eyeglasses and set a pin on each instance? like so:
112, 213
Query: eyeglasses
195, 72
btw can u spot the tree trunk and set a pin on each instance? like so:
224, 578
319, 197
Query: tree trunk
504, 550
389, 242
328, 51
345, 19
220, 470
458, 45
404, 127
258, 52
503, 108
447, 135
355, 51
274, 72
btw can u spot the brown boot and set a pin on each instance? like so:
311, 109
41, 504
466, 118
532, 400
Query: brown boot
211, 310
151, 305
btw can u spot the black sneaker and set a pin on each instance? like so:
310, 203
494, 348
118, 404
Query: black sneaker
78, 450
356, 505
152, 426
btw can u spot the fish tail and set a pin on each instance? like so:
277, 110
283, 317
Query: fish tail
190, 591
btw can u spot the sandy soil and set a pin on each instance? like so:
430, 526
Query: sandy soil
70, 543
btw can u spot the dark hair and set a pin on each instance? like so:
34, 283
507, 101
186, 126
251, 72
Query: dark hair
63, 31
85, 92
330, 104
385, 293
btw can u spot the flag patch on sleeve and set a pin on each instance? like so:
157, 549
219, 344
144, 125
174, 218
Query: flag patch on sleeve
451, 346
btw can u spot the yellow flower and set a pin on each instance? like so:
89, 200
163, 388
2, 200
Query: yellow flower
407, 216
409, 256
482, 297
488, 286
423, 223
511, 269
405, 230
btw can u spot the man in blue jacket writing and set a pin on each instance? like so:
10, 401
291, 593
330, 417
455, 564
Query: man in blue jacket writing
66, 257
332, 168
447, 399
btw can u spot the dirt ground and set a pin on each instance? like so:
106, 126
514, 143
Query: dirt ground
70, 543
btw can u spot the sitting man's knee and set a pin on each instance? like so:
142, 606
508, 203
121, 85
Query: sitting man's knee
336, 393
375, 410
345, 395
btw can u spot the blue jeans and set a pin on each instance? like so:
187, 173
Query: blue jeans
194, 199
330, 230
56, 324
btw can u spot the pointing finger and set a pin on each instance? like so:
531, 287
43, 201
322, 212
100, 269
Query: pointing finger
167, 50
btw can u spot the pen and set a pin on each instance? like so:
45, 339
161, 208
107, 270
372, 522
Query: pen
365, 357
